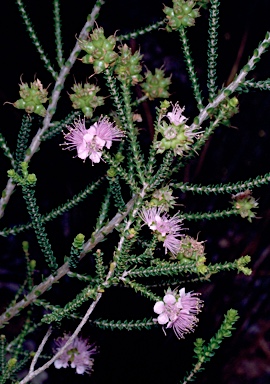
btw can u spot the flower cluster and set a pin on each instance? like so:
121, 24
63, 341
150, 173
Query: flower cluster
24, 178
176, 135
162, 197
244, 202
156, 86
191, 250
183, 14
225, 110
32, 98
90, 142
78, 354
99, 50
167, 228
128, 67
85, 98
178, 311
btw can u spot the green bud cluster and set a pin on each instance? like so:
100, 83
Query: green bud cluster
11, 363
128, 66
241, 265
99, 50
156, 86
78, 241
27, 179
164, 106
183, 14
32, 264
25, 246
85, 98
75, 252
162, 197
175, 137
244, 203
132, 233
32, 98
192, 250
112, 172
225, 110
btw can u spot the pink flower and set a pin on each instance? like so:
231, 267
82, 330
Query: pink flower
90, 142
78, 354
176, 116
179, 311
167, 227
151, 217
177, 135
172, 244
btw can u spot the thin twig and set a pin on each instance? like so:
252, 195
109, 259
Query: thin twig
40, 349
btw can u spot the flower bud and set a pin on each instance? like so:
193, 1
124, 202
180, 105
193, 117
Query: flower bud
85, 98
32, 264
25, 246
112, 172
11, 363
183, 14
156, 86
244, 203
162, 198
32, 98
31, 178
99, 50
128, 66
20, 104
78, 241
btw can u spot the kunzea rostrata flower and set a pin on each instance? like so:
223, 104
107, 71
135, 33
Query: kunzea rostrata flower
178, 310
167, 228
177, 135
90, 142
78, 354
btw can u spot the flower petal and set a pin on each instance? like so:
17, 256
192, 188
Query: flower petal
169, 299
60, 364
182, 292
100, 142
159, 307
88, 137
108, 144
82, 151
179, 304
95, 157
163, 318
80, 369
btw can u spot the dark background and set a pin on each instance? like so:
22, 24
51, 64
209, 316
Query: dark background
235, 153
